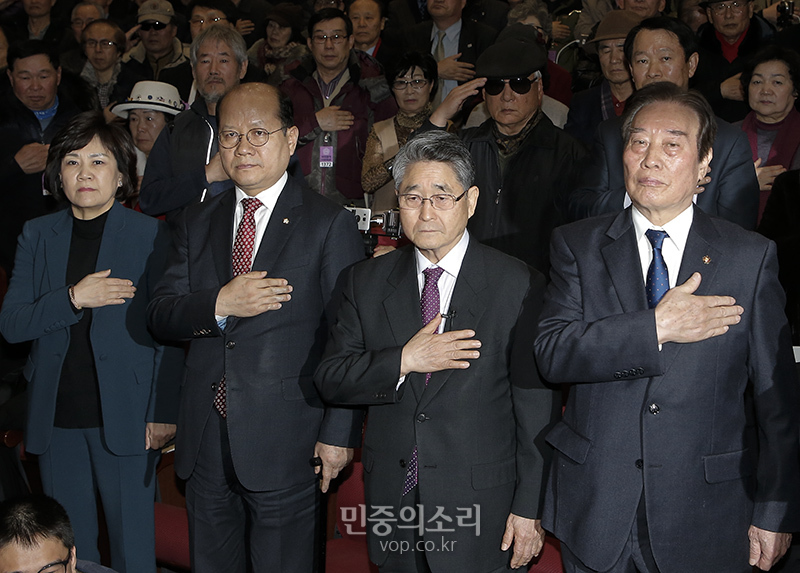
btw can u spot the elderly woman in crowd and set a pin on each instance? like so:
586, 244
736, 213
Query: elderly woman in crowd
770, 81
413, 84
150, 107
284, 43
102, 393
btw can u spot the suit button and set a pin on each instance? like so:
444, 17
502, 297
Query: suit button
214, 386
421, 418
402, 463
230, 345
626, 373
654, 409
640, 371
639, 464
617, 375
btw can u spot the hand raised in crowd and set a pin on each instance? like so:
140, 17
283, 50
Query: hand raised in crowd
244, 27
732, 88
560, 31
767, 174
455, 100
132, 38
214, 170
334, 118
527, 537
451, 69
32, 157
156, 435
251, 294
682, 316
334, 459
428, 351
100, 289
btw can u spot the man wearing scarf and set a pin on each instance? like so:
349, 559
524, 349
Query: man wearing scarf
524, 165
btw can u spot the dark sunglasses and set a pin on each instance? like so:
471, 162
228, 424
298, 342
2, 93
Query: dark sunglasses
147, 26
519, 85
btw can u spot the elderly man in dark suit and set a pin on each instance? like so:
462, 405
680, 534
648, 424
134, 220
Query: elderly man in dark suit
680, 435
435, 338
665, 49
250, 418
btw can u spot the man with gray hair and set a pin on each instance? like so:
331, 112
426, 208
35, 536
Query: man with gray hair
184, 166
453, 453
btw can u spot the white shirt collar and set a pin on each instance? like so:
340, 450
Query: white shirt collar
269, 196
450, 33
677, 229
451, 262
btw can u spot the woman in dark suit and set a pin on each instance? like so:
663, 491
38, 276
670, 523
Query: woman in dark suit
102, 392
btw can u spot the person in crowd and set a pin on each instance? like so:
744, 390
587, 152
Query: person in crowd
338, 94
732, 35
591, 107
283, 44
205, 13
659, 446
32, 115
185, 165
103, 43
251, 19
523, 162
159, 49
256, 310
454, 42
594, 11
102, 393
665, 49
36, 535
691, 13
457, 400
150, 107
413, 84
371, 34
71, 49
37, 22
773, 125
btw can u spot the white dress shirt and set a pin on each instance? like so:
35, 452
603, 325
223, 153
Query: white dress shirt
673, 247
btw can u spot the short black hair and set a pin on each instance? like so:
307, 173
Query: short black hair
772, 53
77, 134
28, 48
421, 60
225, 6
686, 37
27, 521
329, 14
118, 35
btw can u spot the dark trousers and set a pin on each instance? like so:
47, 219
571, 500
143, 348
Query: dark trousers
75, 467
234, 529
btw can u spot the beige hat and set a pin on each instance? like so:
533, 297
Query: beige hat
157, 96
615, 25
160, 10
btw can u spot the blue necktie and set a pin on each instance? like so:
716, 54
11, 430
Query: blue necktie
657, 275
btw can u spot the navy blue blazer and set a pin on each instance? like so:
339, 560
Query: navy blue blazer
139, 378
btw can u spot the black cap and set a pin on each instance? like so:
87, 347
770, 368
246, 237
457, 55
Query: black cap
517, 53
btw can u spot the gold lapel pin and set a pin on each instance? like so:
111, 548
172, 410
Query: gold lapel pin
286, 221
706, 259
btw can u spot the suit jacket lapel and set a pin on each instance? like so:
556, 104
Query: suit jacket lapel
57, 250
468, 304
283, 221
220, 236
625, 270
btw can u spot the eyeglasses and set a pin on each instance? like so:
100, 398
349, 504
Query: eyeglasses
153, 25
103, 44
737, 7
417, 85
201, 21
518, 85
440, 202
256, 137
336, 38
56, 566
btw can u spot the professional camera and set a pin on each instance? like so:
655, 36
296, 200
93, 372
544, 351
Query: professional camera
381, 224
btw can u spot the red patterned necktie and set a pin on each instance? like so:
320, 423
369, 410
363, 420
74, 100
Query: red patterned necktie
242, 259
430, 306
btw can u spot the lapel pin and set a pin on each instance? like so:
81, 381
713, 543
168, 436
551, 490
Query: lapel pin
286, 221
706, 259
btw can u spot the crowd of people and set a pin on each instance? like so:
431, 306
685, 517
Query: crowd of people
585, 328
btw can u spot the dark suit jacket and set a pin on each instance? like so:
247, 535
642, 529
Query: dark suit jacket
138, 380
678, 424
479, 430
732, 193
474, 39
275, 415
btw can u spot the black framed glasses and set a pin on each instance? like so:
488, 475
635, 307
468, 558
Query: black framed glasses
103, 44
153, 25
335, 38
256, 137
518, 85
737, 7
440, 201
201, 21
56, 566
416, 85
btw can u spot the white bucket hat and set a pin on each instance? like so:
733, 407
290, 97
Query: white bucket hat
157, 96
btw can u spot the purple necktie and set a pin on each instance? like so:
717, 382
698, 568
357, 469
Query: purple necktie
430, 306
242, 261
